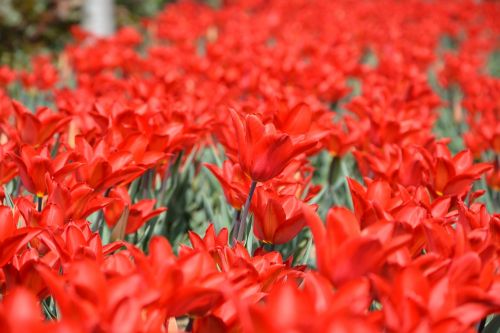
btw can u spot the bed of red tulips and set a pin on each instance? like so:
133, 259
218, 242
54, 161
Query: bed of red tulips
266, 166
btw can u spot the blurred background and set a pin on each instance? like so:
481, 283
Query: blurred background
32, 26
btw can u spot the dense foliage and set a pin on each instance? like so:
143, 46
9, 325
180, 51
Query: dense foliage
30, 26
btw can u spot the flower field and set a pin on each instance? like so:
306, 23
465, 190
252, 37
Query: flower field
261, 166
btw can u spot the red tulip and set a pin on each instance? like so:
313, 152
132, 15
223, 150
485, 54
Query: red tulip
277, 219
345, 252
138, 213
454, 176
105, 168
33, 169
7, 75
314, 308
234, 182
43, 76
263, 151
8, 168
493, 178
211, 241
20, 312
38, 128
37, 169
12, 239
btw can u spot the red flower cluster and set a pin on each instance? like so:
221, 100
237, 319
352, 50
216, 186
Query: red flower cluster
264, 95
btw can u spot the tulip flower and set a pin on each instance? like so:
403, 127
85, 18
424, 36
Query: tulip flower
43, 76
278, 219
12, 239
8, 168
454, 176
289, 308
36, 129
344, 251
234, 182
102, 168
7, 75
493, 178
139, 213
36, 169
263, 151
20, 312
263, 154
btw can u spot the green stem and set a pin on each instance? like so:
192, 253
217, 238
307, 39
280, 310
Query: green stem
481, 325
100, 217
349, 202
39, 201
331, 172
243, 219
236, 223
